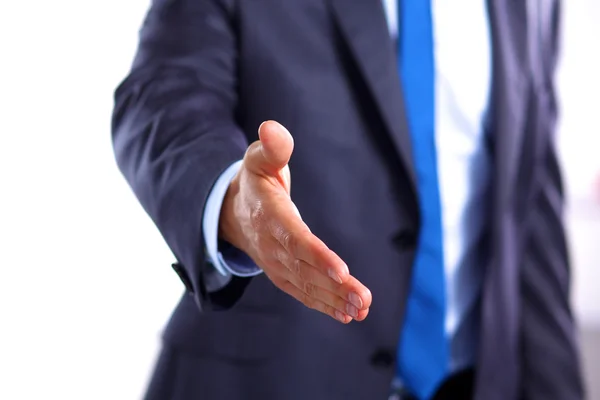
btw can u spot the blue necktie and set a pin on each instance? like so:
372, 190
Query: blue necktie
423, 350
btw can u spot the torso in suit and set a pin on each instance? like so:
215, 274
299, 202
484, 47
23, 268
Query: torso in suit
207, 73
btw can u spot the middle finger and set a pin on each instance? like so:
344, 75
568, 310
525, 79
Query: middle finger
350, 297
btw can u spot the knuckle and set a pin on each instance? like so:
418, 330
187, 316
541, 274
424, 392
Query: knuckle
309, 289
298, 270
289, 241
278, 255
329, 311
257, 215
252, 149
253, 145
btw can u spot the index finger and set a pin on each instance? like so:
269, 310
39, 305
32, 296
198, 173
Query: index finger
296, 238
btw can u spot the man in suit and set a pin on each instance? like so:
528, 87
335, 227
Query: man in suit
410, 185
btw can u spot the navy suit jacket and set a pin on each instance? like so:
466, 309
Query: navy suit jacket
208, 72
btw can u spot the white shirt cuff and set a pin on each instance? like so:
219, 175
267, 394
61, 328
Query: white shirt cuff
226, 259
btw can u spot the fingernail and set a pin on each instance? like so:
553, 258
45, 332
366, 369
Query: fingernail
333, 275
340, 316
346, 269
356, 300
351, 310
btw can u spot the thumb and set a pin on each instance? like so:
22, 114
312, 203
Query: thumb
272, 152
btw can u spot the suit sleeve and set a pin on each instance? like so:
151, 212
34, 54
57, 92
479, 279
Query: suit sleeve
551, 366
174, 131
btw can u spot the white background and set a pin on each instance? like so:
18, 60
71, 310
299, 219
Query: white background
85, 282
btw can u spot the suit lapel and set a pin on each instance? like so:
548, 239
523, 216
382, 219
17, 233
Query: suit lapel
510, 92
497, 369
364, 28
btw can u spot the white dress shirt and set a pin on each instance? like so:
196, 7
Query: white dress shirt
462, 49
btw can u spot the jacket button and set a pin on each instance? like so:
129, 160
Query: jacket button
405, 240
178, 268
383, 358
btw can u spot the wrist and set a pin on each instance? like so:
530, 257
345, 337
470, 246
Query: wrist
229, 229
